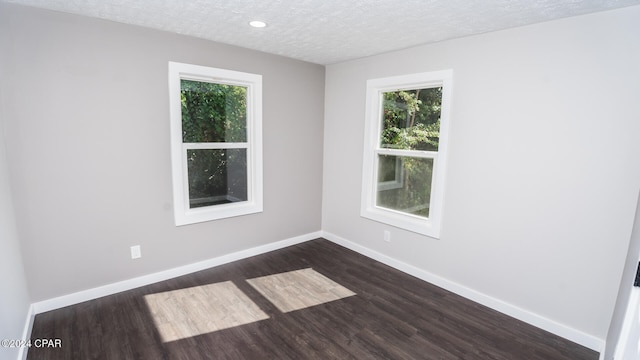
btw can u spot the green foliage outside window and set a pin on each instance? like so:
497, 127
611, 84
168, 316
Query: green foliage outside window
214, 113
410, 121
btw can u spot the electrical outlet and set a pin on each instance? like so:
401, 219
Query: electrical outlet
135, 252
387, 236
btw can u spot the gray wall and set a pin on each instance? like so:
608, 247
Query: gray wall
14, 296
543, 168
89, 153
541, 184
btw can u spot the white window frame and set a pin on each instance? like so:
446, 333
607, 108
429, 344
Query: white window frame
183, 214
372, 149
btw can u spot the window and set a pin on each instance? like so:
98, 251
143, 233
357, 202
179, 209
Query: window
407, 119
216, 142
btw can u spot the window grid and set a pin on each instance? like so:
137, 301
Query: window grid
374, 149
184, 211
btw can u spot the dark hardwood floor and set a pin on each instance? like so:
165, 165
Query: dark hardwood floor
393, 316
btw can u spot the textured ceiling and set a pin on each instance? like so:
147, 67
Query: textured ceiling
329, 31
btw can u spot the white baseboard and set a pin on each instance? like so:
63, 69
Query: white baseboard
529, 317
90, 294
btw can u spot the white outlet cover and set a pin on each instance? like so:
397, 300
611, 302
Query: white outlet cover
136, 252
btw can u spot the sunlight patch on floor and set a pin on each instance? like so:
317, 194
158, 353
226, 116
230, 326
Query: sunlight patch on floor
184, 313
202, 309
299, 289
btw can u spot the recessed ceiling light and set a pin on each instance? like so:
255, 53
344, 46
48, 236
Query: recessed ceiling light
258, 24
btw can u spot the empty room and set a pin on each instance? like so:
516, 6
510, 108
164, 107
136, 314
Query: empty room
317, 179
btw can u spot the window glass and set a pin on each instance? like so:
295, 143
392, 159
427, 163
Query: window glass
216, 142
405, 144
217, 176
411, 119
213, 112
413, 193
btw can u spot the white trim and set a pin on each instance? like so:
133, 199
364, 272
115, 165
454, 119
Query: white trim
26, 333
183, 214
408, 153
372, 149
527, 316
216, 146
631, 318
94, 293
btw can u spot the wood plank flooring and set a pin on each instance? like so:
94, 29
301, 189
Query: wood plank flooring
392, 316
299, 289
184, 313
